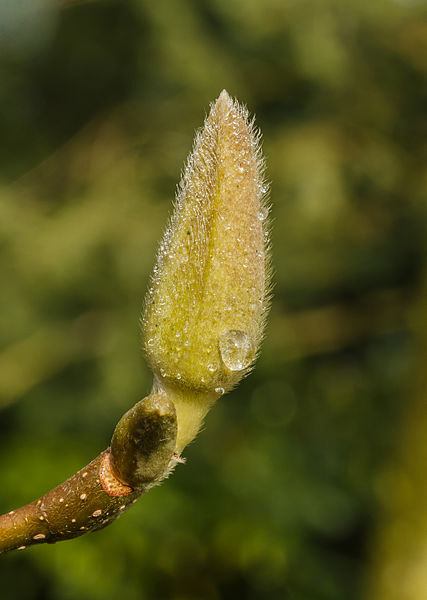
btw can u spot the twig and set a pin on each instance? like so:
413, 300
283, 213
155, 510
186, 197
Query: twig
140, 456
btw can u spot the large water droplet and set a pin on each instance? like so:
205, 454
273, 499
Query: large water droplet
236, 349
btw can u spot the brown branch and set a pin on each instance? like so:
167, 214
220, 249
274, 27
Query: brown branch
141, 455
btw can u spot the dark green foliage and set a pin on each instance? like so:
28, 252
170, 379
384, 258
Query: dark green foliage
279, 497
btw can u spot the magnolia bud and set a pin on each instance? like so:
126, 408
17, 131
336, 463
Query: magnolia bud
205, 311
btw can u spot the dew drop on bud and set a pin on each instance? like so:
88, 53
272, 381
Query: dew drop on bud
236, 349
219, 390
263, 214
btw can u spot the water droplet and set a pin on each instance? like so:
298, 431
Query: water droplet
162, 372
236, 349
219, 390
212, 368
178, 375
263, 214
150, 342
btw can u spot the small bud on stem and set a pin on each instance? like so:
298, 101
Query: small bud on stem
202, 326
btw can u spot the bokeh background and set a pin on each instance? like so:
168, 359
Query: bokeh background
309, 481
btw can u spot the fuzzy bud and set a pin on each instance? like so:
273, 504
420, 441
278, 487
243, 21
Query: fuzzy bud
205, 310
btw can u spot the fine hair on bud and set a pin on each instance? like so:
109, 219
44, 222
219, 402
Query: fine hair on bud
205, 311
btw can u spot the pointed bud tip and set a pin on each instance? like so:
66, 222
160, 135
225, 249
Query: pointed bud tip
224, 95
224, 100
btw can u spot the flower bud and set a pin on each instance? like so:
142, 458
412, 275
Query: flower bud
205, 310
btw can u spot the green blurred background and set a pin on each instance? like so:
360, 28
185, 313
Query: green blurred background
301, 483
